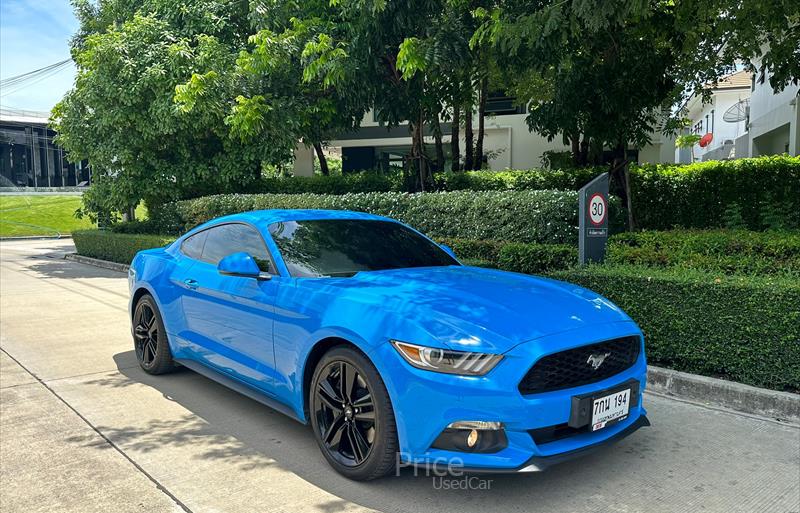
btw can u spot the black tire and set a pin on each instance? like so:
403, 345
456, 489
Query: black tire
150, 338
364, 397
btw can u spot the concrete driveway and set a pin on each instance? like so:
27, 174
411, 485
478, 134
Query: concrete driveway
83, 429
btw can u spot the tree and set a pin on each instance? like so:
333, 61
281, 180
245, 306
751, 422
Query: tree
687, 141
121, 114
599, 74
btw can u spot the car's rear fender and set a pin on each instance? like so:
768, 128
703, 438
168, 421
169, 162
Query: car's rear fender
150, 273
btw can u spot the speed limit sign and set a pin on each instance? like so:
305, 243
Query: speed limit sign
597, 209
593, 220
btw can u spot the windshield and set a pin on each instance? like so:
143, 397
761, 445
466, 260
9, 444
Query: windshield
343, 247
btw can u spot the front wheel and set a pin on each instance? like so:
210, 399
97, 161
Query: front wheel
150, 338
352, 416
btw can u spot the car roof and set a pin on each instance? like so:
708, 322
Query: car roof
263, 218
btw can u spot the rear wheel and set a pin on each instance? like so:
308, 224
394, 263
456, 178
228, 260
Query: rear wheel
150, 338
352, 416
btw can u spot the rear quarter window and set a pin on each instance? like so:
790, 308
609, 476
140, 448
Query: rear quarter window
192, 246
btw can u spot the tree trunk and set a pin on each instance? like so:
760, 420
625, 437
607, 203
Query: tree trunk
418, 152
576, 151
469, 150
620, 176
584, 152
437, 135
323, 161
484, 92
455, 145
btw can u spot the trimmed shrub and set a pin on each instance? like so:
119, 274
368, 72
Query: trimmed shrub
537, 258
745, 329
524, 179
757, 193
521, 216
718, 251
365, 181
115, 247
529, 258
486, 252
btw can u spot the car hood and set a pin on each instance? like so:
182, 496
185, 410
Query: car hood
471, 308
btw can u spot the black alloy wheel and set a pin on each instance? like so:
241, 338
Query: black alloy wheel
150, 338
346, 414
352, 416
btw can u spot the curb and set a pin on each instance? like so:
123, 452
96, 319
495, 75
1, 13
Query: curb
783, 406
105, 264
38, 237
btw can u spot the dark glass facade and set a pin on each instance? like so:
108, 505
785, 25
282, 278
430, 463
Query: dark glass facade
29, 158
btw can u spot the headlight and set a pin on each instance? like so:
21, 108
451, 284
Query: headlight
445, 360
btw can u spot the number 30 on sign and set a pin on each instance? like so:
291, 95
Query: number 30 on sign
597, 209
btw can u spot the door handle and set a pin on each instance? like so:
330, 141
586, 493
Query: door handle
192, 284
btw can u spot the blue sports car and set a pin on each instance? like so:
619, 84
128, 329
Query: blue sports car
392, 350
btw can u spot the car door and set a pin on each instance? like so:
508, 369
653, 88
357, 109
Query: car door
229, 319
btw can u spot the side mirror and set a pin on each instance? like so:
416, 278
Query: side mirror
448, 250
242, 265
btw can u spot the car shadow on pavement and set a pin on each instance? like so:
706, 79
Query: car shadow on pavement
234, 427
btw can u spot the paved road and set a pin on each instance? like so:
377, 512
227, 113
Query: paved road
83, 429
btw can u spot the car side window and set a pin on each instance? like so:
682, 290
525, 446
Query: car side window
192, 246
226, 239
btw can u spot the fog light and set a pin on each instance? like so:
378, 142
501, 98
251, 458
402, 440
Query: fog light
472, 436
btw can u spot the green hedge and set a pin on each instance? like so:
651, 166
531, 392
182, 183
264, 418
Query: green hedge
522, 179
717, 251
115, 247
521, 216
757, 193
529, 258
754, 193
745, 329
365, 181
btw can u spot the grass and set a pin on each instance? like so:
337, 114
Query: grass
44, 215
39, 215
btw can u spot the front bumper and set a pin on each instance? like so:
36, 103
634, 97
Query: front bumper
425, 403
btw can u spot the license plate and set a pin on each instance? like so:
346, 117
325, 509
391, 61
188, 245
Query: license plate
610, 408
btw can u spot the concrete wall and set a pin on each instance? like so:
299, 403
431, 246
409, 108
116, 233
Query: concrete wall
774, 120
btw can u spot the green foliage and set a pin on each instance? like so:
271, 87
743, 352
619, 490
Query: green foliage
115, 247
365, 181
726, 252
746, 329
554, 159
530, 179
530, 258
135, 60
524, 216
766, 189
687, 140
537, 258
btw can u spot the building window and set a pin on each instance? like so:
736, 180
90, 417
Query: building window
498, 104
712, 122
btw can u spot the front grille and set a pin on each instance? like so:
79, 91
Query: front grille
574, 367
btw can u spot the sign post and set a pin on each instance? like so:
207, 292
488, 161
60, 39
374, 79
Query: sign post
593, 220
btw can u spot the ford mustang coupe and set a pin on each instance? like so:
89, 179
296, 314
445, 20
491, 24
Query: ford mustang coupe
393, 351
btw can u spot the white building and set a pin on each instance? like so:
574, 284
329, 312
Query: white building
508, 143
724, 116
774, 121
